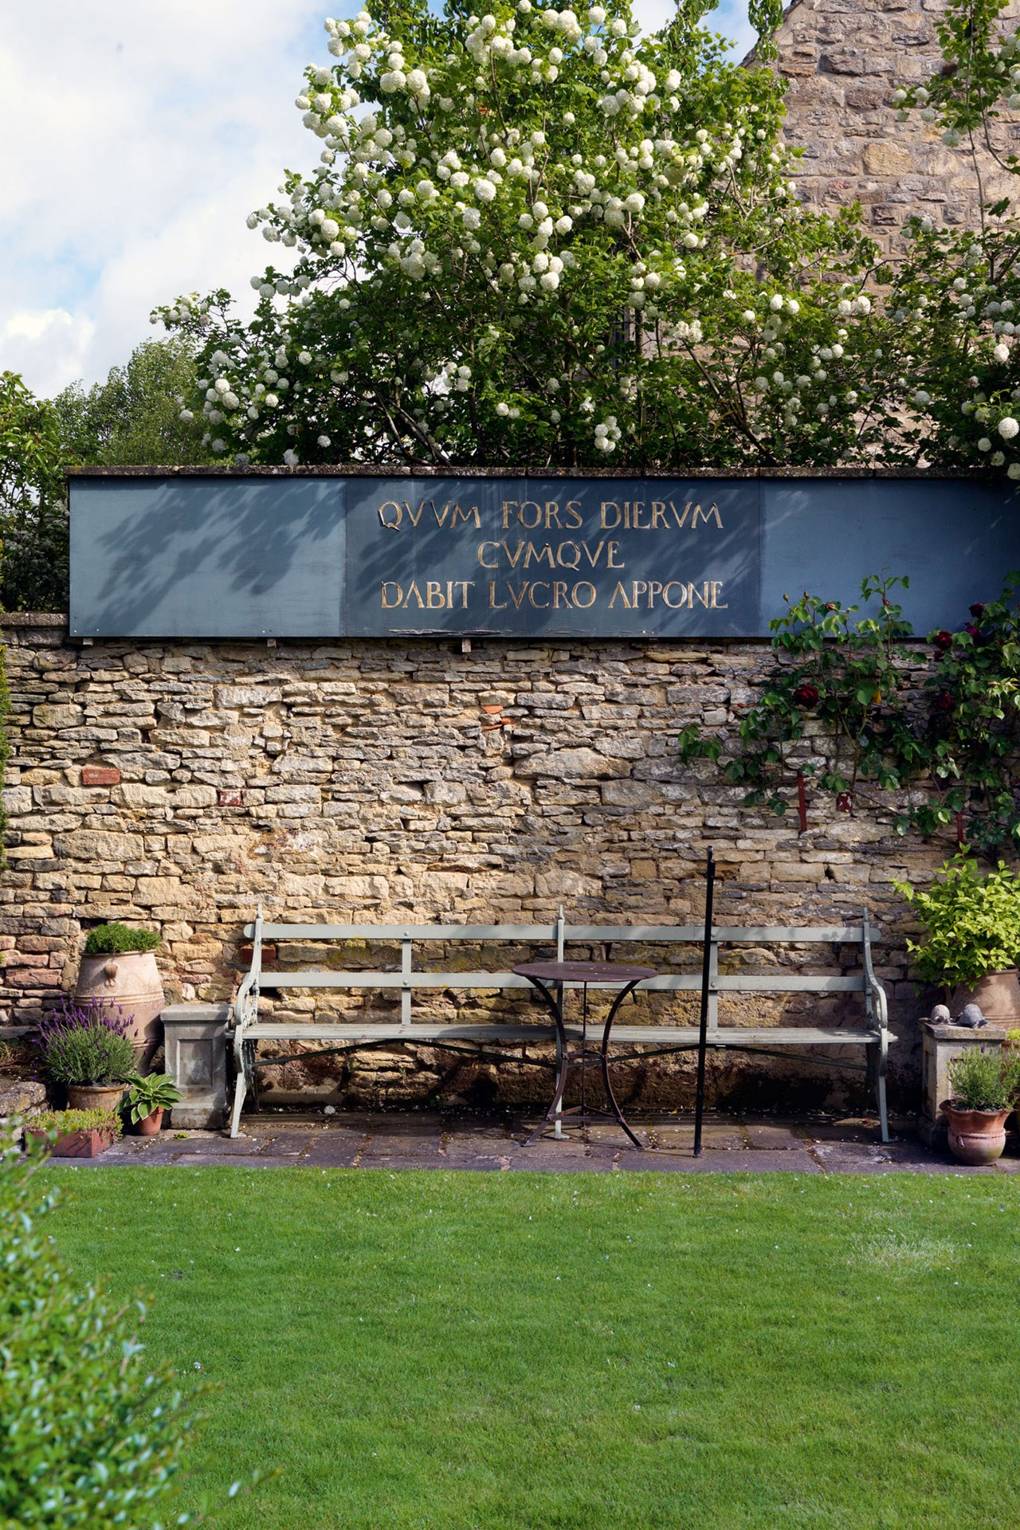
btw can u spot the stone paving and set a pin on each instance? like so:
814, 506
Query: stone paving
436, 1140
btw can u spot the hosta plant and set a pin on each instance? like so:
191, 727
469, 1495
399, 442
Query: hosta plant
149, 1092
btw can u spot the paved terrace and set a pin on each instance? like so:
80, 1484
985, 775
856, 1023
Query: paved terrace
439, 1140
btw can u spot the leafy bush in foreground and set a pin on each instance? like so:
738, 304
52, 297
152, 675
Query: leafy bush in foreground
90, 1436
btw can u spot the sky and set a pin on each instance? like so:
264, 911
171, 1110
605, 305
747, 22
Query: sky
137, 136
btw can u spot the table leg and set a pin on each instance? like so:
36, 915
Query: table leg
606, 1083
560, 1033
555, 1007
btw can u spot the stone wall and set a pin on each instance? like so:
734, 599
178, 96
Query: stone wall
843, 59
176, 784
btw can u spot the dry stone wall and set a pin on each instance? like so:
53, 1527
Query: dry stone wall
177, 784
842, 60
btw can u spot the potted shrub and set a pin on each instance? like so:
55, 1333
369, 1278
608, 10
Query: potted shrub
972, 936
985, 1085
88, 1049
147, 1097
119, 966
75, 1133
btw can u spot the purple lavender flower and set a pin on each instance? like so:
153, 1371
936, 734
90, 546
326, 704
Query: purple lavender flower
69, 1014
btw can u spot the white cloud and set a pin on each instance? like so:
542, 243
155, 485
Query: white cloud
137, 139
138, 135
48, 346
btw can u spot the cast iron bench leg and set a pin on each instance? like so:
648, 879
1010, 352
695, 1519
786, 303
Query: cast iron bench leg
242, 1051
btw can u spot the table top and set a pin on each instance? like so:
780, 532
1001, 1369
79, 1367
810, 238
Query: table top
583, 972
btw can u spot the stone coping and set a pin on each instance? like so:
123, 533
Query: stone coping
526, 470
990, 1032
33, 619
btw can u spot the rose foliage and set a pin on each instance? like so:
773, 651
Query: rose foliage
854, 707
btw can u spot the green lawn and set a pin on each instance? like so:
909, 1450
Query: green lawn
450, 1351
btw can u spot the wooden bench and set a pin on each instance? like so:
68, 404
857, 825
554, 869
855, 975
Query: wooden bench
338, 1036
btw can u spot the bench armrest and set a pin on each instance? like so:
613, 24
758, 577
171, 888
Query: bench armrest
875, 995
245, 1009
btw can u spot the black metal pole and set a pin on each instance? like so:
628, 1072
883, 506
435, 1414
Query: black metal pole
706, 963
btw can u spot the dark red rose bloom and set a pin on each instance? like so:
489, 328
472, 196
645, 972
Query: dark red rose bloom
943, 640
806, 694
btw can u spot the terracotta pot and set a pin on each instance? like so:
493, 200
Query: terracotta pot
84, 1144
149, 1125
997, 996
130, 979
94, 1096
975, 1136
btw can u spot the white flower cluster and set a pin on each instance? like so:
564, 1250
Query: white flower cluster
555, 233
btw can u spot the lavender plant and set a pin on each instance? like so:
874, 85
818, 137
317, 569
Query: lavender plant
85, 1043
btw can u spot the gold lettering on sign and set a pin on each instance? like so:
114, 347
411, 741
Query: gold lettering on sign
426, 595
393, 513
677, 594
541, 595
550, 555
658, 515
551, 516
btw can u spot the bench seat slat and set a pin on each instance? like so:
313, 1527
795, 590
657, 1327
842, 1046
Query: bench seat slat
766, 934
637, 1035
680, 982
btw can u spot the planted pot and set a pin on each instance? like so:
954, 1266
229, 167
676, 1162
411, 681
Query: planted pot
148, 1126
78, 1144
94, 1096
130, 979
975, 1136
997, 996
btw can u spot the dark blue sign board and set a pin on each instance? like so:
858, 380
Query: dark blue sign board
558, 557
332, 555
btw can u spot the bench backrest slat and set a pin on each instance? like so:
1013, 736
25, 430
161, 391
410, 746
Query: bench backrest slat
664, 933
404, 931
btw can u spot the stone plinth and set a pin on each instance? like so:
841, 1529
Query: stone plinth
943, 1043
196, 1059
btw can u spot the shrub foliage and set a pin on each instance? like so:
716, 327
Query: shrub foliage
109, 939
971, 923
90, 1436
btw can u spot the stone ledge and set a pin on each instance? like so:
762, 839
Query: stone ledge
33, 619
452, 470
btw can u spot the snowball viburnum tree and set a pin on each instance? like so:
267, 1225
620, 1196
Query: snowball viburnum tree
955, 301
536, 235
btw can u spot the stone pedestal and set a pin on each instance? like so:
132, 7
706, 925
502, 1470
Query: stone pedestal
941, 1044
195, 1037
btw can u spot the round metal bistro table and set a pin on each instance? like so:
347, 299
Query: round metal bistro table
549, 979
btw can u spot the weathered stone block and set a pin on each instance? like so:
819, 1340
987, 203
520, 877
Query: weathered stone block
56, 716
100, 775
